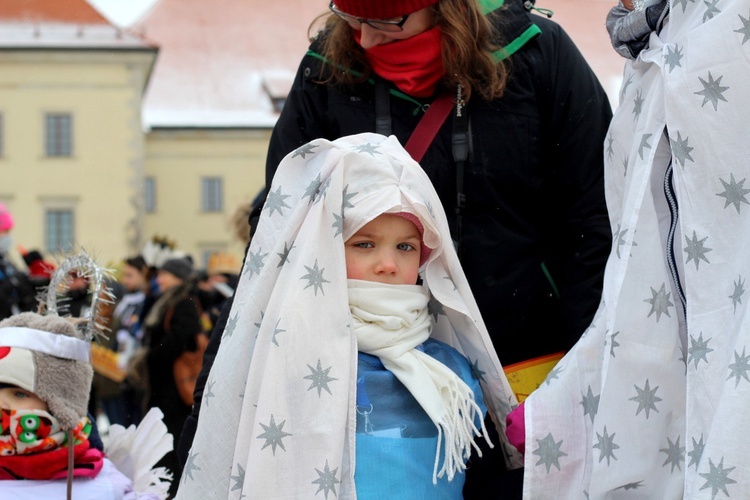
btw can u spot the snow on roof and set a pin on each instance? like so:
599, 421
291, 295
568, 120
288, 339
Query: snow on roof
33, 24
222, 63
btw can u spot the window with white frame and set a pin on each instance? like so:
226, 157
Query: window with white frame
58, 230
212, 194
149, 195
58, 134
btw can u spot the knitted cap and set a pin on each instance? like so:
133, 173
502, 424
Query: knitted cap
6, 220
47, 356
182, 267
424, 249
381, 9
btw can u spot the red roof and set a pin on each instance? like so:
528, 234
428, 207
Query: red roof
57, 11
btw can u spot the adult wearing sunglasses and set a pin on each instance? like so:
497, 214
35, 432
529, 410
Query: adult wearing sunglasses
517, 164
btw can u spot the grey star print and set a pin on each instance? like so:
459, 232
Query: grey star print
745, 29
740, 367
284, 255
371, 149
630, 486
254, 262
275, 202
614, 344
695, 249
190, 466
697, 453
326, 480
590, 404
637, 105
717, 478
606, 446
549, 452
435, 308
673, 57
478, 374
683, 3
315, 278
660, 302
345, 197
277, 331
646, 399
274, 435
338, 223
698, 349
553, 374
610, 151
620, 237
231, 325
644, 144
313, 189
307, 149
319, 378
712, 91
208, 393
734, 192
675, 454
625, 161
239, 479
711, 10
680, 149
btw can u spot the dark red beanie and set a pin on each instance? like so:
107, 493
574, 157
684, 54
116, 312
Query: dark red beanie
381, 9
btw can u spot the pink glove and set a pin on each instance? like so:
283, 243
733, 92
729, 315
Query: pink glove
515, 428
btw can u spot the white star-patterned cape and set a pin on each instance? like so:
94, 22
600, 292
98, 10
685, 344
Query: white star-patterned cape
653, 400
278, 412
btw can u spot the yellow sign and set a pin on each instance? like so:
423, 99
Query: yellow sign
526, 376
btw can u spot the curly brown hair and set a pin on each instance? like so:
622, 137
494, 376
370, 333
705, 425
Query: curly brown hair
468, 40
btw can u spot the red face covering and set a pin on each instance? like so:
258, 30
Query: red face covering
414, 65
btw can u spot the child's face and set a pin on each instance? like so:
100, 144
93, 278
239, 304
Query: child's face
14, 398
385, 250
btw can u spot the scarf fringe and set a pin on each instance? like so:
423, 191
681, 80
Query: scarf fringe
459, 429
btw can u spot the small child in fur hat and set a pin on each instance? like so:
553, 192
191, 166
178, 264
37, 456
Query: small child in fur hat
45, 378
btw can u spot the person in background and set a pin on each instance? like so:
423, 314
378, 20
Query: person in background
40, 270
16, 290
120, 400
518, 164
170, 329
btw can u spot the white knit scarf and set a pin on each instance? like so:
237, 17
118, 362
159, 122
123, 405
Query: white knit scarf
390, 321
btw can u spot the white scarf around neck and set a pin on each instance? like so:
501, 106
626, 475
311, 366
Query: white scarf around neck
390, 321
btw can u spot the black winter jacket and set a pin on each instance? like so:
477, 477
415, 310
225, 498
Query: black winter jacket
535, 232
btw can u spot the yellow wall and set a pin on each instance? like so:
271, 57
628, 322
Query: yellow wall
178, 160
103, 92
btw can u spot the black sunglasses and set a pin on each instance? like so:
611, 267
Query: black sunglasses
391, 25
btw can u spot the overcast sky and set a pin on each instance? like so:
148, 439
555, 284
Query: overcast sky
122, 12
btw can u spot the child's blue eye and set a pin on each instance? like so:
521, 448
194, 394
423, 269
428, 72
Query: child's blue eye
405, 246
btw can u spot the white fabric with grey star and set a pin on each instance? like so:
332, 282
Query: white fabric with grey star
280, 422
652, 401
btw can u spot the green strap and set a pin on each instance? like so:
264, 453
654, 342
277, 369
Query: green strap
516, 44
551, 281
488, 6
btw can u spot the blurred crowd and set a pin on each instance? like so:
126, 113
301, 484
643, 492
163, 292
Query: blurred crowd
164, 308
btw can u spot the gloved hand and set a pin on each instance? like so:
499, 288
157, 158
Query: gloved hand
515, 428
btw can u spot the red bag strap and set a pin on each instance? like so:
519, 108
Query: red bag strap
428, 126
